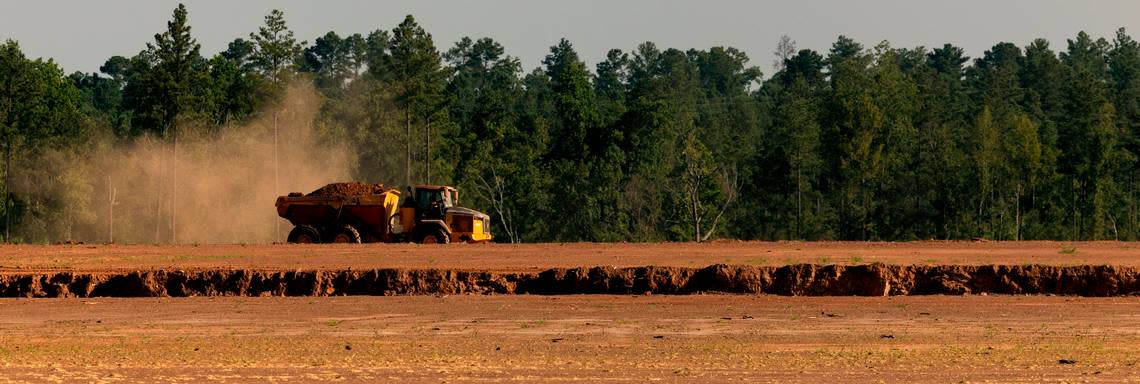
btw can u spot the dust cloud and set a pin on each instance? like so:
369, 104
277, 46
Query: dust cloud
216, 187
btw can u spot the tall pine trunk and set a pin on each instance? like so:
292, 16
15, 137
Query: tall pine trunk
158, 194
174, 191
110, 211
7, 190
799, 204
1017, 213
8, 163
408, 140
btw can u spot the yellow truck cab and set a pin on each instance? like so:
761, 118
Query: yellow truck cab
431, 214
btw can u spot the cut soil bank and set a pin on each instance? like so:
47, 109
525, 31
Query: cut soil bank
793, 280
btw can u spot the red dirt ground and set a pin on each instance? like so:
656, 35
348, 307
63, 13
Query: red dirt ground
537, 257
710, 338
594, 338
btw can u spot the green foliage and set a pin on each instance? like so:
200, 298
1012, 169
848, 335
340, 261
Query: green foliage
495, 158
579, 158
652, 144
334, 60
236, 91
39, 112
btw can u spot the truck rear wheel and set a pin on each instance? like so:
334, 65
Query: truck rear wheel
347, 234
434, 236
304, 234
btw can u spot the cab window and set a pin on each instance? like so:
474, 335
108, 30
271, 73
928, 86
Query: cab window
426, 197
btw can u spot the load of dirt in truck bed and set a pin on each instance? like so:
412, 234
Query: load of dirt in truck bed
349, 189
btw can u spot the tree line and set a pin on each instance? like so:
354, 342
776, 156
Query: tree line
651, 144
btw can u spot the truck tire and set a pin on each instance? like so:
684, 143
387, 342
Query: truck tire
304, 234
433, 236
347, 234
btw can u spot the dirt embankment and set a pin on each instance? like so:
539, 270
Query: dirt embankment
794, 280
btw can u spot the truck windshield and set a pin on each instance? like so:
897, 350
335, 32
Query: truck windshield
427, 197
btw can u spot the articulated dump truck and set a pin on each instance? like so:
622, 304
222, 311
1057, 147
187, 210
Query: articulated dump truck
355, 213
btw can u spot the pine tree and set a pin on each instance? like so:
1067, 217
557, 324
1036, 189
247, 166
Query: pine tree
1124, 70
178, 70
414, 70
276, 50
1088, 137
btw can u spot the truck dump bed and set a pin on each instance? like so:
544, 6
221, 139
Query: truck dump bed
368, 213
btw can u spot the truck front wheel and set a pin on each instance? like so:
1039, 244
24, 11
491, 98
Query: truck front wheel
434, 236
304, 234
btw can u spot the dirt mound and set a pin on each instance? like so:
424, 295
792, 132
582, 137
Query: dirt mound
349, 189
788, 280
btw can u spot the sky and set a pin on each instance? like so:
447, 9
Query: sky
81, 35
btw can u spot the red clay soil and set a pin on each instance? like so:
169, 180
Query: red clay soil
533, 258
710, 338
349, 189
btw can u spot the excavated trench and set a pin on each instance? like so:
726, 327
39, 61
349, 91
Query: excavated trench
793, 280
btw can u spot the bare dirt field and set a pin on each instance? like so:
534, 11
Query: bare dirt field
602, 338
538, 257
426, 333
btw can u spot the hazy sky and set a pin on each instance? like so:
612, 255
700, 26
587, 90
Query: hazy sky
80, 35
